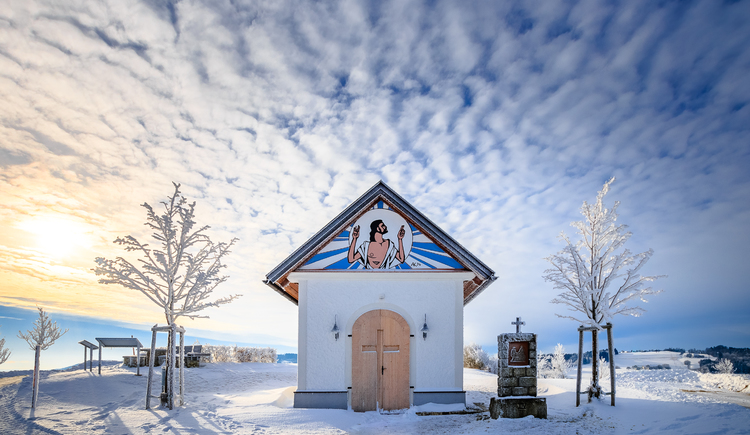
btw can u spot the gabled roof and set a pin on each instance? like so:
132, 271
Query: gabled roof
442, 249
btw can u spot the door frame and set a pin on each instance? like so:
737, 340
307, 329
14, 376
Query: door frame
412, 344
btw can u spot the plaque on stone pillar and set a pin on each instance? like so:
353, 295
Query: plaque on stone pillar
518, 353
517, 380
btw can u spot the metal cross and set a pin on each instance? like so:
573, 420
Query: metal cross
518, 324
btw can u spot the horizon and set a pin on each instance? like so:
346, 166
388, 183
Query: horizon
495, 120
67, 350
71, 355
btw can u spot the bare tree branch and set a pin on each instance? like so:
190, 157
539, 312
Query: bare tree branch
44, 334
584, 271
4, 353
180, 276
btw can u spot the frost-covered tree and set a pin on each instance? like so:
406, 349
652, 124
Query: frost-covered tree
4, 353
724, 366
544, 365
552, 366
599, 278
180, 276
559, 364
44, 335
475, 357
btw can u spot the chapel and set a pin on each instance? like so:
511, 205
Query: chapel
380, 291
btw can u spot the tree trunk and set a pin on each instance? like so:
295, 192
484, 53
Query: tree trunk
172, 366
580, 362
167, 371
35, 384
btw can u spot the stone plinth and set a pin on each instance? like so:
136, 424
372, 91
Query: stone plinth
508, 407
517, 375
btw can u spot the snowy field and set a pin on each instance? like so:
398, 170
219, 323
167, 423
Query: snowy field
254, 398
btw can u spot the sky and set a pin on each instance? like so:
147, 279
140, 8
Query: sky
495, 119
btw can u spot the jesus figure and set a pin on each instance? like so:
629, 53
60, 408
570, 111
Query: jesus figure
379, 252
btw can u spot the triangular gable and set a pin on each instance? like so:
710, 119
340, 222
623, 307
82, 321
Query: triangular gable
423, 245
420, 251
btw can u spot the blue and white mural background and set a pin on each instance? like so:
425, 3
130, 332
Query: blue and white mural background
420, 252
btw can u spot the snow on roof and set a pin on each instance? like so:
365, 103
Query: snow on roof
441, 250
119, 342
88, 344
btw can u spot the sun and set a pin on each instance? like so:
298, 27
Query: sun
56, 237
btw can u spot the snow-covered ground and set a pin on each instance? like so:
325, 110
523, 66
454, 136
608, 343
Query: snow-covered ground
254, 398
674, 359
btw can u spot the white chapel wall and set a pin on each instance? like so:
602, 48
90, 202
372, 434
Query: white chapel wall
436, 363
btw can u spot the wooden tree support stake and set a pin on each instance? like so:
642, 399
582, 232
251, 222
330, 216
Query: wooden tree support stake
594, 354
170, 361
611, 362
580, 368
151, 358
35, 385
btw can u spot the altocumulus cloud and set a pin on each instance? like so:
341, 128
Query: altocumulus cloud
496, 119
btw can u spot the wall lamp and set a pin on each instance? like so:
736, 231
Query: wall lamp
425, 329
335, 330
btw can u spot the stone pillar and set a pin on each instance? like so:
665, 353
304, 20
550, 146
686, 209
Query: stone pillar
517, 378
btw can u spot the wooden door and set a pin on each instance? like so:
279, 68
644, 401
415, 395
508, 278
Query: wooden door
365, 362
380, 362
394, 385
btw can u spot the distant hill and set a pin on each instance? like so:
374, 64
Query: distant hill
740, 357
708, 357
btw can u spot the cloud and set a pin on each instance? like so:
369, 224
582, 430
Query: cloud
495, 120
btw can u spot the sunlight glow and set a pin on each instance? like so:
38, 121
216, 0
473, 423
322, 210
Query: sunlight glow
56, 237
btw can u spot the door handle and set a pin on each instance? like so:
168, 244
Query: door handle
382, 369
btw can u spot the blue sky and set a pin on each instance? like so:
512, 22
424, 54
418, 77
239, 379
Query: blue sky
495, 119
68, 351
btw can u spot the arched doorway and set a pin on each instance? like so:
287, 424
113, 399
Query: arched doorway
380, 362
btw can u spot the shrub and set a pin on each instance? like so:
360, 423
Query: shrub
544, 366
724, 366
475, 357
559, 364
255, 354
240, 354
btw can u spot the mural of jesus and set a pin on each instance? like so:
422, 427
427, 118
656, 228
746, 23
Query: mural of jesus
378, 252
